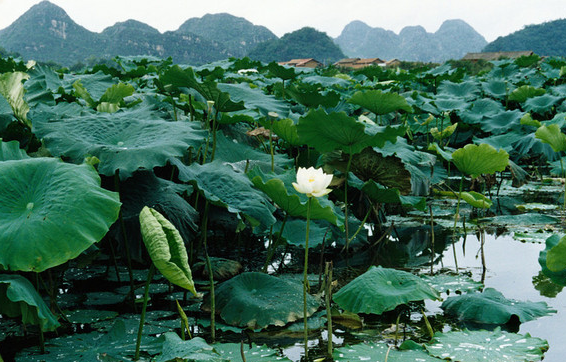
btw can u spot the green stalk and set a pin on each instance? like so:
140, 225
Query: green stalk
41, 337
210, 274
271, 148
305, 282
346, 203
144, 308
328, 298
274, 245
563, 175
214, 130
456, 223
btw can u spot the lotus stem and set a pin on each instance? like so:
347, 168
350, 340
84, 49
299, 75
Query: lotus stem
346, 203
328, 298
563, 175
305, 282
144, 308
274, 244
431, 240
271, 148
184, 321
214, 130
204, 231
41, 337
456, 216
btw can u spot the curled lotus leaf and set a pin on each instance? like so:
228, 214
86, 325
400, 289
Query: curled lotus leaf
50, 212
475, 199
257, 300
382, 289
19, 298
380, 102
553, 136
474, 160
166, 248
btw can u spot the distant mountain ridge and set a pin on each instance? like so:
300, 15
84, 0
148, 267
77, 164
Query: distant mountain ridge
46, 33
452, 40
548, 38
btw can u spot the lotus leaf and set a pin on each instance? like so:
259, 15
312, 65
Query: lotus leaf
231, 351
475, 199
196, 350
280, 191
286, 129
380, 352
481, 108
491, 307
309, 96
527, 120
466, 90
257, 300
445, 133
380, 289
225, 187
50, 212
481, 346
553, 136
449, 104
524, 92
176, 77
280, 71
495, 88
12, 89
501, 122
337, 131
446, 283
19, 298
166, 248
541, 104
94, 84
11, 151
255, 99
380, 194
379, 102
474, 160
124, 141
556, 256
295, 232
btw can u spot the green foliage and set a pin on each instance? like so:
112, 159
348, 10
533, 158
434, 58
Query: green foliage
474, 160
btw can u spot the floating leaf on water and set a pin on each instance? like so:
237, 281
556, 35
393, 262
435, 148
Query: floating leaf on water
256, 353
380, 352
382, 289
196, 349
257, 300
481, 346
491, 307
84, 316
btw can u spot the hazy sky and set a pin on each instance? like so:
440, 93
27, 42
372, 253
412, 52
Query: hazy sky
491, 18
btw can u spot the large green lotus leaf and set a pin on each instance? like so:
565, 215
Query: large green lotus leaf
257, 300
225, 187
558, 277
388, 171
337, 131
245, 157
146, 189
232, 352
280, 191
254, 98
380, 352
282, 72
286, 129
166, 248
556, 257
466, 90
474, 160
447, 283
379, 194
176, 77
553, 136
124, 141
295, 232
449, 104
309, 96
475, 199
11, 151
481, 108
495, 88
12, 89
491, 307
501, 122
524, 92
481, 346
18, 297
95, 84
379, 102
50, 212
6, 114
194, 350
541, 104
382, 289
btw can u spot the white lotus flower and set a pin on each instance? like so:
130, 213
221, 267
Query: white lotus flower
312, 182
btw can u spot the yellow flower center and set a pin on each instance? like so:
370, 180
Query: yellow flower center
311, 179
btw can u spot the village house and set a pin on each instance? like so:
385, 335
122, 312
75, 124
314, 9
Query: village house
358, 63
304, 63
